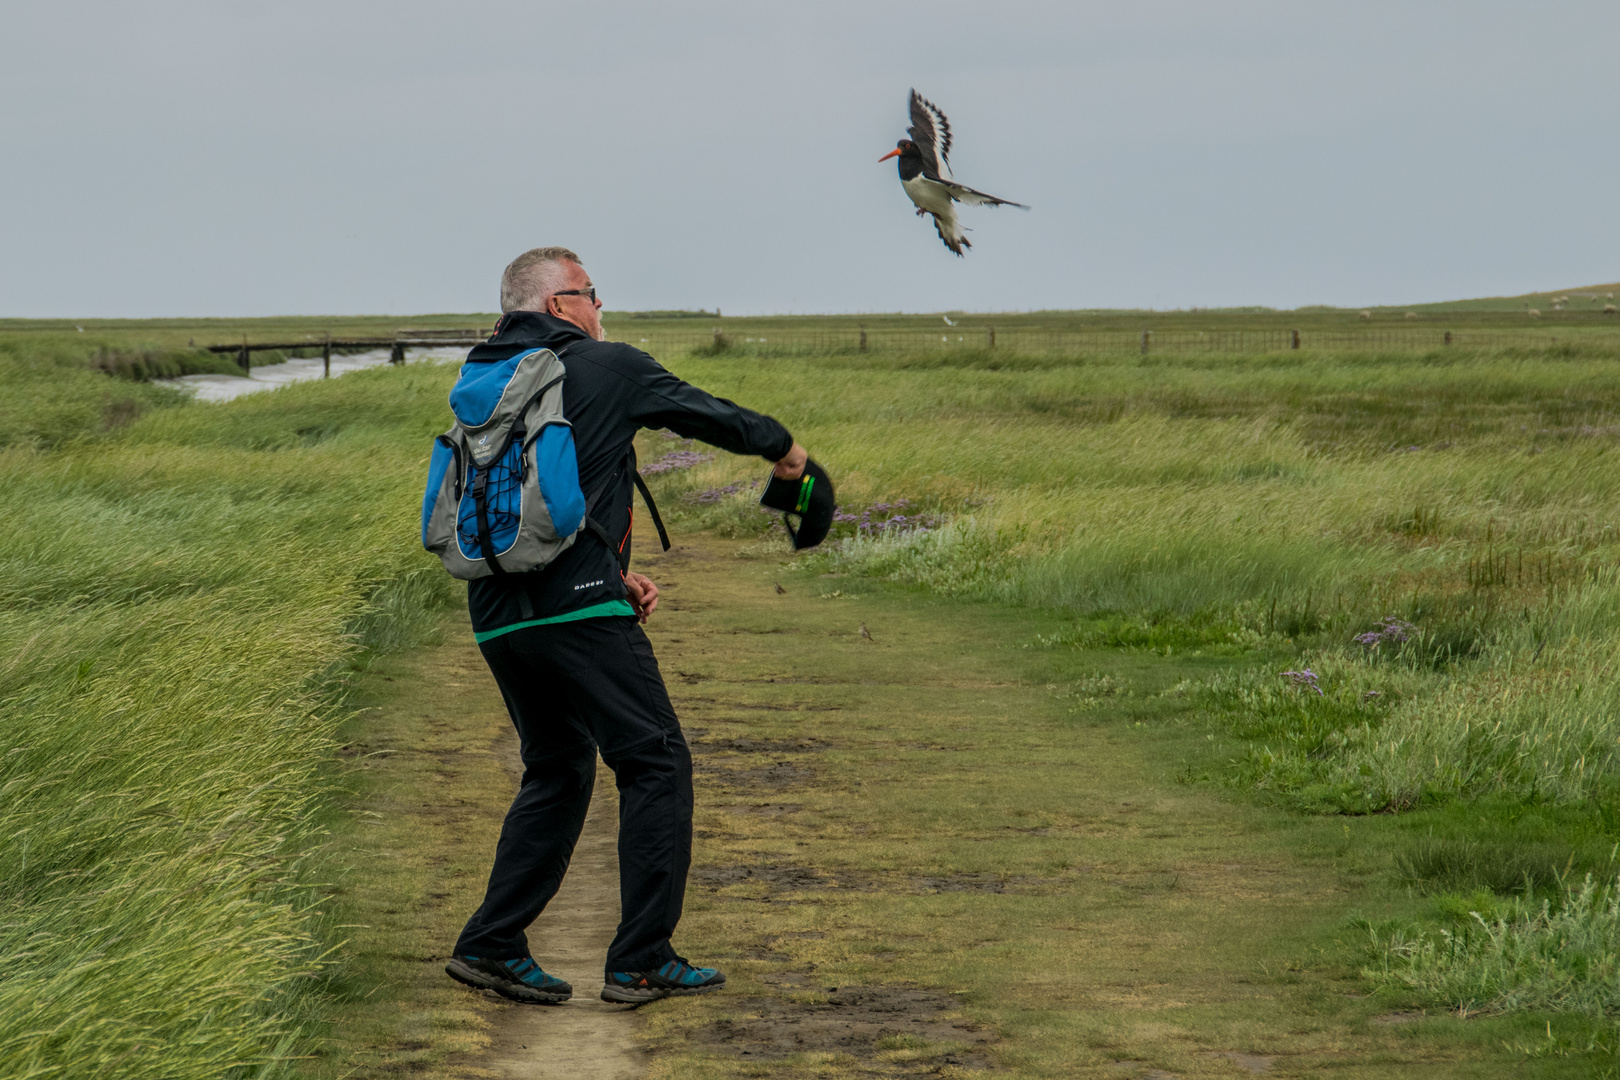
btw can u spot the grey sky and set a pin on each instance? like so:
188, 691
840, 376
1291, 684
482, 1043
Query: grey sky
228, 159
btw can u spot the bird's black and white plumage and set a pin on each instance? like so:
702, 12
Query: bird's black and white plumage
925, 173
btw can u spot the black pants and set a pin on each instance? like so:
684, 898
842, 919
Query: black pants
573, 689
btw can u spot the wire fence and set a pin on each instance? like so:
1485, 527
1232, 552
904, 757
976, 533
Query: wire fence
1081, 342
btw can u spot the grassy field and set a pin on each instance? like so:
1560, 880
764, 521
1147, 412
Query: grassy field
1406, 564
190, 590
168, 346
185, 594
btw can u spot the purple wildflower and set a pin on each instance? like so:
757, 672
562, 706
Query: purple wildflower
713, 495
676, 459
1303, 677
880, 518
1391, 629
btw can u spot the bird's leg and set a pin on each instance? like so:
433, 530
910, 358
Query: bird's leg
921, 211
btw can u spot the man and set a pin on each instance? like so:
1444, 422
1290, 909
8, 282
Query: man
575, 668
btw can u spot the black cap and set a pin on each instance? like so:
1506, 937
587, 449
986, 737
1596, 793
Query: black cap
810, 497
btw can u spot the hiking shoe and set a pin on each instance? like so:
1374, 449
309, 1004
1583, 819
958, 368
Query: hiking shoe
673, 979
520, 979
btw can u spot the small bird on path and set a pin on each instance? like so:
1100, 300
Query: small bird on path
867, 634
925, 173
779, 589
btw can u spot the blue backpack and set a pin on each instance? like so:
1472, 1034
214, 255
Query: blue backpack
503, 493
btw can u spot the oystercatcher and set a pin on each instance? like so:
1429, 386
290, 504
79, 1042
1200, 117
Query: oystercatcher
925, 173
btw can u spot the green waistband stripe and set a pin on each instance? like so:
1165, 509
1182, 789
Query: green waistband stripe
804, 493
595, 611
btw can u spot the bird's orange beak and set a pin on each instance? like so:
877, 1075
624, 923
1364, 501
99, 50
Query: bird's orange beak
892, 153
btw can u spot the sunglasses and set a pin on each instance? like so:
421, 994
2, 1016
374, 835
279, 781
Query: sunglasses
589, 293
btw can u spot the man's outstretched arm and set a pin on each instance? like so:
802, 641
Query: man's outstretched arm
662, 400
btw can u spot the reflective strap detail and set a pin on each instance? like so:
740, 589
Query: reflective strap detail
596, 611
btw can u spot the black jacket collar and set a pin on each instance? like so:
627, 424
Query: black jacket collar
519, 330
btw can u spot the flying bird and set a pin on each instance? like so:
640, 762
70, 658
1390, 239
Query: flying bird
925, 173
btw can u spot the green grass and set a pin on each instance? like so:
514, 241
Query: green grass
1266, 510
186, 590
1299, 499
1514, 954
182, 600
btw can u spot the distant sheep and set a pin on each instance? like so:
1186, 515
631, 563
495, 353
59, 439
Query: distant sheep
1366, 315
1411, 314
1533, 313
1609, 309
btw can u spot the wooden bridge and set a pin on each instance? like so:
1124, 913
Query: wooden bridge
402, 340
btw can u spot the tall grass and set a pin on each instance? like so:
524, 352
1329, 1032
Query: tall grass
183, 588
181, 600
58, 388
1281, 509
1515, 954
1299, 498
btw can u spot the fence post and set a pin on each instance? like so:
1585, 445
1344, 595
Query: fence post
1448, 337
1147, 336
243, 359
863, 337
397, 356
1293, 339
990, 336
326, 358
717, 339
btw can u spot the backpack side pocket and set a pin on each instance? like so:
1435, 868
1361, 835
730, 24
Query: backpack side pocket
439, 465
556, 471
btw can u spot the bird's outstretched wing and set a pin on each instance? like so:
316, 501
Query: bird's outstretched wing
964, 194
932, 134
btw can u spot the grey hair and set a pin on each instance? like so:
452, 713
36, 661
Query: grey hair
533, 276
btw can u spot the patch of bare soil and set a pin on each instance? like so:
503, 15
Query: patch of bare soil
1255, 1063
777, 776
746, 745
991, 883
1406, 1017
888, 1030
785, 876
767, 809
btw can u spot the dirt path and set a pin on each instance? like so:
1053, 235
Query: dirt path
586, 1038
931, 849
434, 763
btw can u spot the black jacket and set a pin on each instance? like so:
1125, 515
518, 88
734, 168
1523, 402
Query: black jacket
610, 392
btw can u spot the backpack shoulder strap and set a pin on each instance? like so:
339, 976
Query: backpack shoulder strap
652, 507
597, 528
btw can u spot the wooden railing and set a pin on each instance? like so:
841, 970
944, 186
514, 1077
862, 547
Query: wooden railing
402, 340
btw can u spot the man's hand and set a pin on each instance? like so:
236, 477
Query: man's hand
643, 594
792, 466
